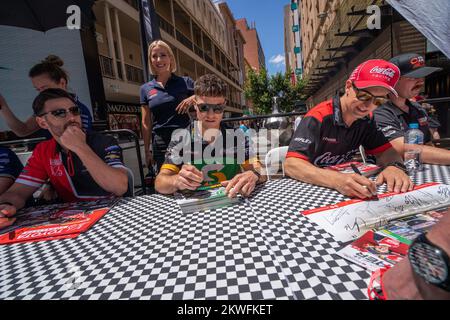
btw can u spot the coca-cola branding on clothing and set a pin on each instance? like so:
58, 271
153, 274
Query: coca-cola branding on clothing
376, 73
329, 159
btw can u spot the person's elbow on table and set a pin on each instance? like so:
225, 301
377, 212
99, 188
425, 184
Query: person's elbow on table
290, 167
120, 185
295, 168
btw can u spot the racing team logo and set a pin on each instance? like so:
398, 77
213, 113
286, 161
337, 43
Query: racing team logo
152, 93
417, 62
56, 167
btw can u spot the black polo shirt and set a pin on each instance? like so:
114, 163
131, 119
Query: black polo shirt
394, 122
324, 139
163, 101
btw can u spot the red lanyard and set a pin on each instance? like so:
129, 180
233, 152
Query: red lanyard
70, 168
377, 293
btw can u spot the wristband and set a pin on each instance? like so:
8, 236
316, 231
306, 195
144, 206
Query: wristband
375, 292
398, 165
256, 172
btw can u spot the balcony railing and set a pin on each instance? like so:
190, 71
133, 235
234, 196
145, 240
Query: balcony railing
134, 74
209, 59
106, 64
133, 3
165, 25
198, 51
119, 70
184, 40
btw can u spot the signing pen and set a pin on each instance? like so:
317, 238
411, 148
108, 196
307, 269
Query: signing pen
356, 170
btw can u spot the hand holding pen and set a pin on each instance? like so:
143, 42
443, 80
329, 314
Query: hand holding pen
372, 187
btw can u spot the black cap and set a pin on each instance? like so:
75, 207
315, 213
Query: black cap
412, 65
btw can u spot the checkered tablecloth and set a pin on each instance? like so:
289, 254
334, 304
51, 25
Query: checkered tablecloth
146, 248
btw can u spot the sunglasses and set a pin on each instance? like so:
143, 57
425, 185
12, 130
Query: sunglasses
365, 96
217, 108
62, 113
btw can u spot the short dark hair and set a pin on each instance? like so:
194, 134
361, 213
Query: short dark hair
49, 94
210, 85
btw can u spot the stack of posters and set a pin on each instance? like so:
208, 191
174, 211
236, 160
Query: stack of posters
388, 245
58, 221
349, 220
212, 198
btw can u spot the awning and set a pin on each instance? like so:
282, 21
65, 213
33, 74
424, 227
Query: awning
431, 18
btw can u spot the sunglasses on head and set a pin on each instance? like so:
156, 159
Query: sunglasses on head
364, 96
205, 107
62, 113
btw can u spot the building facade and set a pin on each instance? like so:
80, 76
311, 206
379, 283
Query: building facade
201, 34
292, 40
253, 51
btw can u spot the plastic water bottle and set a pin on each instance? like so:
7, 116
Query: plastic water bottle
413, 150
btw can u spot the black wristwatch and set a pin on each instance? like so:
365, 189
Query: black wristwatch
256, 173
430, 262
398, 165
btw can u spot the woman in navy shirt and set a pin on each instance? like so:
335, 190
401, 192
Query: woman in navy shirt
165, 101
44, 75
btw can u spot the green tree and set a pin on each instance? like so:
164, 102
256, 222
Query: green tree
260, 88
257, 90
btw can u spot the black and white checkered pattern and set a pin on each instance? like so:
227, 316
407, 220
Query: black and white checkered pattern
145, 248
306, 253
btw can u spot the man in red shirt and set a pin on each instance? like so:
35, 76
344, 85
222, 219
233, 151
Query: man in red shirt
79, 166
331, 133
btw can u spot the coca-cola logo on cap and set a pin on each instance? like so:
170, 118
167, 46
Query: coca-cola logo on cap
417, 62
389, 72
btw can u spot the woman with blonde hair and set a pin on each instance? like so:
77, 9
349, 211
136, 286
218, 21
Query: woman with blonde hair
164, 102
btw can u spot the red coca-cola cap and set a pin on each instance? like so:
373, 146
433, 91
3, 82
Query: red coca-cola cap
376, 73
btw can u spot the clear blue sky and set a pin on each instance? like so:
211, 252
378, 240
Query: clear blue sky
268, 16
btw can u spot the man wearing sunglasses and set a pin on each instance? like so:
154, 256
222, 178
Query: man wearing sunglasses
331, 133
207, 155
79, 167
394, 116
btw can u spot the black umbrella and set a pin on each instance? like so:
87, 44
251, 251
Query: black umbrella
43, 15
